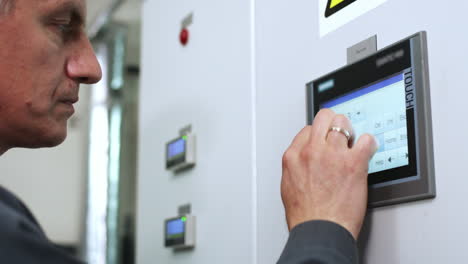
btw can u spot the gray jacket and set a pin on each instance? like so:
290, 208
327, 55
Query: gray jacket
319, 242
22, 240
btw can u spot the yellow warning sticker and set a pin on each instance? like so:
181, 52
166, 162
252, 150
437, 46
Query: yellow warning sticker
334, 6
335, 3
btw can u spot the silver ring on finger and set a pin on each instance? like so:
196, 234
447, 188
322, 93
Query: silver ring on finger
342, 131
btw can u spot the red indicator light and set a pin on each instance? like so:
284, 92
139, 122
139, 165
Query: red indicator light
184, 37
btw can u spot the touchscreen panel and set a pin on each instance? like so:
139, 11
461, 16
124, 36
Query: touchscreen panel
377, 95
387, 95
379, 109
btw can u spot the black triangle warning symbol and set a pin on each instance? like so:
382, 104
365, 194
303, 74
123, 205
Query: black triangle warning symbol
334, 6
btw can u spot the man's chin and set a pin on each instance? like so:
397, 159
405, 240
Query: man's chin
49, 140
53, 142
43, 134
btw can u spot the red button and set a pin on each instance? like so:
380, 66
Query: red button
184, 36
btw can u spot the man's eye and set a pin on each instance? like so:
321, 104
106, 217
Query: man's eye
64, 28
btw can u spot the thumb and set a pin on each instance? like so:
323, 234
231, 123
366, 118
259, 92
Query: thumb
365, 148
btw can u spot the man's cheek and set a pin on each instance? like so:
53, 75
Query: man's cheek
38, 107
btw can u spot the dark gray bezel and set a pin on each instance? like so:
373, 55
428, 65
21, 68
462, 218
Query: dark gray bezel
424, 186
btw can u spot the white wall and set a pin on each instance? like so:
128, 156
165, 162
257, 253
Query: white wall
208, 84
52, 182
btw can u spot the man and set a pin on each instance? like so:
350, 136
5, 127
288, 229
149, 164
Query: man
324, 191
44, 56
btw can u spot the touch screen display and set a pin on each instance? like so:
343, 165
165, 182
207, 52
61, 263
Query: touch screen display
175, 228
386, 94
379, 109
176, 148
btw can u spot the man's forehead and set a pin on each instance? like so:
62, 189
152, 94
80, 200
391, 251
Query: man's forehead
66, 5
77, 8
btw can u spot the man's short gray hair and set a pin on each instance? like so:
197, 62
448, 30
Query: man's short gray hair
6, 6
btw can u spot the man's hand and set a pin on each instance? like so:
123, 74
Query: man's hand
324, 176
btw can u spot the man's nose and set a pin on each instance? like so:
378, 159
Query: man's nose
83, 65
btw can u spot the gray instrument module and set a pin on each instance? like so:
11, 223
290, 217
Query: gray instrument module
180, 153
387, 94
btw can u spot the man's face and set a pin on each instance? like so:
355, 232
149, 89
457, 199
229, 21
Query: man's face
44, 56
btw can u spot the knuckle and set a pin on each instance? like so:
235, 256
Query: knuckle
308, 154
342, 120
288, 155
285, 160
307, 129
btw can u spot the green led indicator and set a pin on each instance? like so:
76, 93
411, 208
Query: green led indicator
184, 137
184, 219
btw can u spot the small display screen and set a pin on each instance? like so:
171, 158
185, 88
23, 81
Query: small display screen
379, 109
176, 148
175, 228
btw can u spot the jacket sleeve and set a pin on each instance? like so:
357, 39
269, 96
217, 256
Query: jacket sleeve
22, 241
27, 248
319, 242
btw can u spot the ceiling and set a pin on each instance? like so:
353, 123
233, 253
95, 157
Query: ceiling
94, 7
129, 14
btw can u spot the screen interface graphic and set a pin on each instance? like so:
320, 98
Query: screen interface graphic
380, 110
175, 228
176, 148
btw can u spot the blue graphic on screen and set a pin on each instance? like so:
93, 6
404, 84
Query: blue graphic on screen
380, 110
176, 148
175, 227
